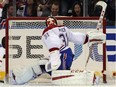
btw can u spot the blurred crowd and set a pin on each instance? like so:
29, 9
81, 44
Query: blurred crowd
44, 8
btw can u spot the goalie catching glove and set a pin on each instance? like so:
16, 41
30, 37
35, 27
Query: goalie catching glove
96, 37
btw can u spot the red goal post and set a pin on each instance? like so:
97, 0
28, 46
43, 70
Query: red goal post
21, 33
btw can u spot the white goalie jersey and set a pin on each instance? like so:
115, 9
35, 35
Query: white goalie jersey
58, 37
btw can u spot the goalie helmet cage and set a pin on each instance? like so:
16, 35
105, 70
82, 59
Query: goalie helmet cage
13, 25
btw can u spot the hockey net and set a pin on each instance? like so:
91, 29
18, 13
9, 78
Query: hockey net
24, 45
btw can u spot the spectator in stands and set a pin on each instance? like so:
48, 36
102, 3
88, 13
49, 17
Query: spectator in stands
7, 11
39, 11
65, 6
77, 10
20, 3
91, 5
110, 13
21, 11
2, 4
28, 10
54, 10
3, 13
44, 6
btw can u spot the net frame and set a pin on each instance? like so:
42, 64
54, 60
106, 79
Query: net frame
58, 18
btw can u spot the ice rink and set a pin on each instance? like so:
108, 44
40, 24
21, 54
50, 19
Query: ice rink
45, 80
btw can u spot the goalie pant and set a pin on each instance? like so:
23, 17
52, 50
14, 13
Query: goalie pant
66, 59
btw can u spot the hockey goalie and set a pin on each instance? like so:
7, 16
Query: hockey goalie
56, 38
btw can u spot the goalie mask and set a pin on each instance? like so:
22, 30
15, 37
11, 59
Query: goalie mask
51, 21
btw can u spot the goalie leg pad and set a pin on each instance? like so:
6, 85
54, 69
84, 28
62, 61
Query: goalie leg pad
22, 75
52, 66
37, 70
54, 61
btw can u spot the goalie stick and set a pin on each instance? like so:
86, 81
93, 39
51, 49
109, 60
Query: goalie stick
90, 50
104, 5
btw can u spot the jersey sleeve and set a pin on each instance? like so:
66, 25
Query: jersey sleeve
51, 40
76, 37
